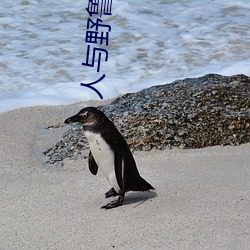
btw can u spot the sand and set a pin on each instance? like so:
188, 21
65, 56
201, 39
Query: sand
201, 200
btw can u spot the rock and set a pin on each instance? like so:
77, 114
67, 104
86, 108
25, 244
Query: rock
190, 113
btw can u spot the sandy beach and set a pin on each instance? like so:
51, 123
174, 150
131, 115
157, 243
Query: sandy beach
201, 198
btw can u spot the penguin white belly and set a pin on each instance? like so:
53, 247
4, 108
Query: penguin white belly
104, 157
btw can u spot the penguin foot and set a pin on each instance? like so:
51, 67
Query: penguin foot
111, 193
113, 204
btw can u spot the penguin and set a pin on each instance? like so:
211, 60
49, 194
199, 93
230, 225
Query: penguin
110, 152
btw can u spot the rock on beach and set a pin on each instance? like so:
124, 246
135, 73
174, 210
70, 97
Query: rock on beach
189, 113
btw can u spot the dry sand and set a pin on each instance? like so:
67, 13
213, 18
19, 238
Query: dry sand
201, 201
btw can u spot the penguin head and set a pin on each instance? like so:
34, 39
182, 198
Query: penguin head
88, 117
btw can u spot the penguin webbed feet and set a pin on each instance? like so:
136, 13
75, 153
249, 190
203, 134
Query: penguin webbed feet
115, 203
111, 193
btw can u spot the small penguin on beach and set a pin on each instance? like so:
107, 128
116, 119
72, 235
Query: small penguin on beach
110, 152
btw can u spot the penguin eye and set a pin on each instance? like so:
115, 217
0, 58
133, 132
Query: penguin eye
84, 115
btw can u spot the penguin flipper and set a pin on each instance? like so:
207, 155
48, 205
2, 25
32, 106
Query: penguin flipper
93, 167
118, 166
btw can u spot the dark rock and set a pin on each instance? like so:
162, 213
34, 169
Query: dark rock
190, 113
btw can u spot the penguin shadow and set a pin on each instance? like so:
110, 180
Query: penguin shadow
137, 198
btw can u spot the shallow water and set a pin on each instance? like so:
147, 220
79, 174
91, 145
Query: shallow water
43, 47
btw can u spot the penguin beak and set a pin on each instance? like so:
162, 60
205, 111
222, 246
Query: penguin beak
74, 118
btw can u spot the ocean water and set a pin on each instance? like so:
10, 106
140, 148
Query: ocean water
151, 42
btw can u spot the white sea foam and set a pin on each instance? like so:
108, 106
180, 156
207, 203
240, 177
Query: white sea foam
151, 42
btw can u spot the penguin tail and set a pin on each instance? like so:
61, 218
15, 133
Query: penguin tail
141, 185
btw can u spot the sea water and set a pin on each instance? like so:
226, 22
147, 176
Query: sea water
42, 47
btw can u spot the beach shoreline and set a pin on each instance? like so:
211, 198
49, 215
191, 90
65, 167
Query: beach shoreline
201, 199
